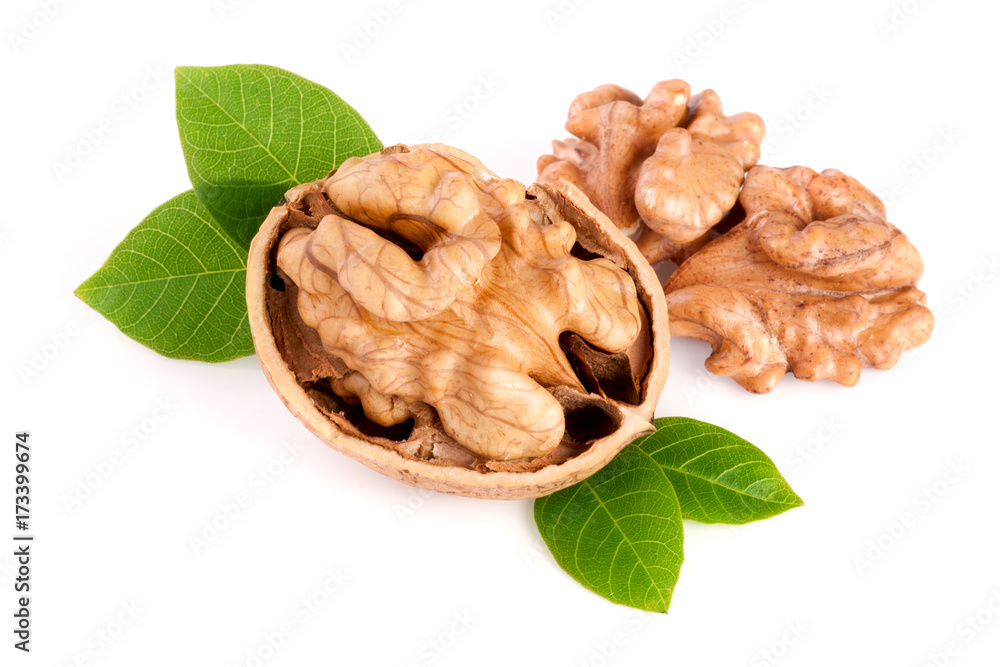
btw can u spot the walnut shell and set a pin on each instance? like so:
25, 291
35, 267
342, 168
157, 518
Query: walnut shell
333, 399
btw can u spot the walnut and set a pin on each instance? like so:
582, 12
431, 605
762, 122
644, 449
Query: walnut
453, 330
814, 280
665, 169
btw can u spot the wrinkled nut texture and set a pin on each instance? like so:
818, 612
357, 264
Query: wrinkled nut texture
474, 338
814, 280
665, 169
450, 318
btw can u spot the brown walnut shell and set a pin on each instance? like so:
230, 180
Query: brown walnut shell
317, 385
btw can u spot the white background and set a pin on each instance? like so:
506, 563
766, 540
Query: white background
879, 98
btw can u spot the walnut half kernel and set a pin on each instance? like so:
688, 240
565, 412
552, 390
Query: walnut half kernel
814, 281
453, 330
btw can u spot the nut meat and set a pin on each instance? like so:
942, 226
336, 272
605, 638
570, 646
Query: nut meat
815, 281
665, 169
448, 328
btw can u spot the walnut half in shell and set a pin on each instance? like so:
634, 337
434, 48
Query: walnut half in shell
454, 331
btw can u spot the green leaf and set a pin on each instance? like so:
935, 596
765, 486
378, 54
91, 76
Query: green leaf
177, 284
619, 532
250, 132
719, 477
